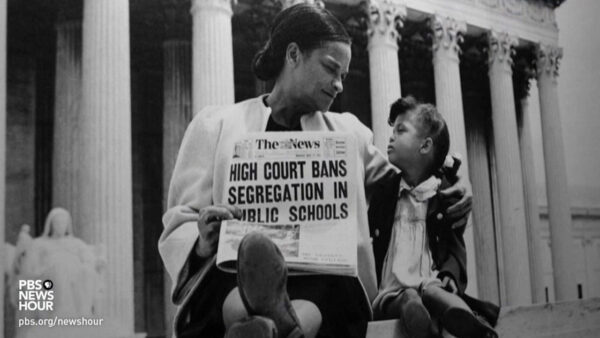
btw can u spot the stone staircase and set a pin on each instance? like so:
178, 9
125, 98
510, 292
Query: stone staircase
578, 319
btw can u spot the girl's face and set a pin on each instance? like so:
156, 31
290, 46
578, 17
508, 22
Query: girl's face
319, 74
406, 142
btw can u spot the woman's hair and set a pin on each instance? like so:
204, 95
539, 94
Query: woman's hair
307, 25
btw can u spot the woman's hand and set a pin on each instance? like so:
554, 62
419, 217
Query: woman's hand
457, 200
209, 225
449, 285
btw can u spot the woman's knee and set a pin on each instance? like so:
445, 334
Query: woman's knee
309, 316
308, 313
233, 308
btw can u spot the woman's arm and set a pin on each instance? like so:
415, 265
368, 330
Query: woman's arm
455, 194
376, 165
190, 191
457, 201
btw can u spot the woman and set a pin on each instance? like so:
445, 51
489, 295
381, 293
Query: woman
307, 55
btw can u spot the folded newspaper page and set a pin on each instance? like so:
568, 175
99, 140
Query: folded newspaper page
298, 189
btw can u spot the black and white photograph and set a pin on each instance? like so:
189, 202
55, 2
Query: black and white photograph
465, 201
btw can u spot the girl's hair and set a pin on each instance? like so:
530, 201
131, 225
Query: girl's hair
307, 25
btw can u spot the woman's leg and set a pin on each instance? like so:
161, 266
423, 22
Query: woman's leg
265, 290
308, 314
345, 311
202, 316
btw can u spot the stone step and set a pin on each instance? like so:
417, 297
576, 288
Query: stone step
384, 329
579, 318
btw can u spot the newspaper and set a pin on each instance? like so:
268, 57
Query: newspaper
296, 188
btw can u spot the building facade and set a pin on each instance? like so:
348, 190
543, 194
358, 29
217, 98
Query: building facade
99, 93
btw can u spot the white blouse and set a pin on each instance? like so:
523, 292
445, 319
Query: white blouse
408, 261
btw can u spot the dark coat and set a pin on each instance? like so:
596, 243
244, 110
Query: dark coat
446, 244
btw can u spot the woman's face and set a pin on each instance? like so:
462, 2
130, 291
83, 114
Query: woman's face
319, 74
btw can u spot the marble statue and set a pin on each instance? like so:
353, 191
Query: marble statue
74, 267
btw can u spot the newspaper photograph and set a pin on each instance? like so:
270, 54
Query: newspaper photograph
296, 188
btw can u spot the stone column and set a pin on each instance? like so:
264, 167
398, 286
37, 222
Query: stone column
106, 190
2, 154
67, 106
177, 113
559, 214
523, 73
484, 236
531, 202
212, 53
447, 34
177, 82
385, 17
476, 110
508, 173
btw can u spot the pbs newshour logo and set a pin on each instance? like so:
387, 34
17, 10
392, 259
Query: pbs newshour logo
36, 295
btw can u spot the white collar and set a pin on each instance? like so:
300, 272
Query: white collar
309, 122
422, 192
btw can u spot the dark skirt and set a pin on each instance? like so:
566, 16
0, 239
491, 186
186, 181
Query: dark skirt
340, 299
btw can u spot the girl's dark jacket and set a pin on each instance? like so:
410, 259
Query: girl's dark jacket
446, 244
